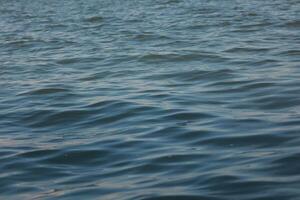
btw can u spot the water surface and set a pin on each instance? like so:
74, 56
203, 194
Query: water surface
152, 99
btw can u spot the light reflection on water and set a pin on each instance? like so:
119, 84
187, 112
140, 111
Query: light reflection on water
149, 99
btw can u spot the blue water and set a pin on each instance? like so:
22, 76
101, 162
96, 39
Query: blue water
150, 99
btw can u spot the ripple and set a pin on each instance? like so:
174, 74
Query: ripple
181, 197
150, 37
162, 99
172, 57
94, 19
45, 91
194, 75
293, 24
247, 50
188, 116
254, 140
287, 160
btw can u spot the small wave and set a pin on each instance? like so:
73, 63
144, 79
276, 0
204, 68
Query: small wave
265, 140
46, 91
48, 118
286, 164
79, 157
173, 57
94, 19
273, 102
194, 75
293, 24
247, 50
183, 197
150, 37
188, 116
292, 52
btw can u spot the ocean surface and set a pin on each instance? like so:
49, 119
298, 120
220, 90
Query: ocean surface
150, 99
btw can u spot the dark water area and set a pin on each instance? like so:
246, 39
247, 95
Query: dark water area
150, 100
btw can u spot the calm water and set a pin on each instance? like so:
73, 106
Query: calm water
152, 99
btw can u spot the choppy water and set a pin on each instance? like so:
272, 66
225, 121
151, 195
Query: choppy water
152, 99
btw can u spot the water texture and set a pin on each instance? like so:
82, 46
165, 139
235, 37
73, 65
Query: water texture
150, 100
